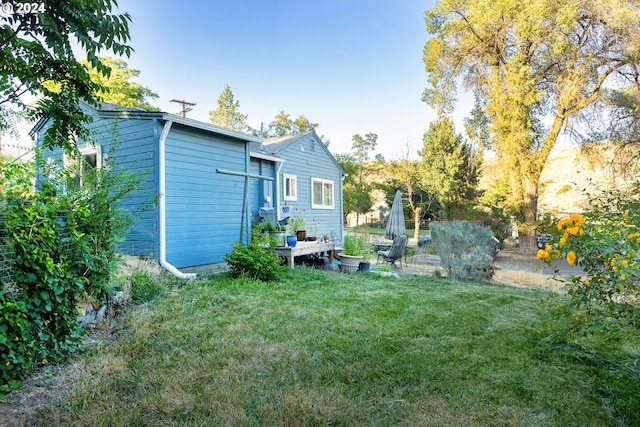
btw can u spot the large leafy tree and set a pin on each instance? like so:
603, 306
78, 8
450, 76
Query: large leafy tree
621, 130
405, 175
285, 125
357, 184
536, 65
38, 48
349, 192
448, 167
118, 88
227, 115
361, 148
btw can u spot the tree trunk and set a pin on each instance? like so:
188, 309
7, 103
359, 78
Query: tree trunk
416, 222
527, 230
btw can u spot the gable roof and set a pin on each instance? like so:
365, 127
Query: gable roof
276, 145
279, 143
106, 109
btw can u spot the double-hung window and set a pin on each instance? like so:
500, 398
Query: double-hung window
321, 193
290, 187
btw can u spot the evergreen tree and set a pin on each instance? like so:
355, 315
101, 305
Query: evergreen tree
227, 115
445, 165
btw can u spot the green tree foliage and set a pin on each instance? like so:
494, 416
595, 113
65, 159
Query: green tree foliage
37, 48
361, 148
448, 166
404, 175
605, 243
284, 125
63, 247
529, 61
620, 128
228, 115
117, 87
349, 193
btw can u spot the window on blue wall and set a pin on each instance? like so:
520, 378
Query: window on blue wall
88, 161
321, 193
290, 187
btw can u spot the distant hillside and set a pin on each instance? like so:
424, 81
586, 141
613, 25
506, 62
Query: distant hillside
565, 175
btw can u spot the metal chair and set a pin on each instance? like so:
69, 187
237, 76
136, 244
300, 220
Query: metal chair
395, 252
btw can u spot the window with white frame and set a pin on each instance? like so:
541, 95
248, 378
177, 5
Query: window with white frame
290, 187
89, 160
321, 193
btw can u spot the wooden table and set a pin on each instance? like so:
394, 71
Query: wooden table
305, 248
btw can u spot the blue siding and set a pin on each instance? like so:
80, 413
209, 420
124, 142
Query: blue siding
132, 142
260, 189
313, 162
136, 151
204, 207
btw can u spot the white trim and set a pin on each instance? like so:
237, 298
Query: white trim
294, 179
323, 182
263, 156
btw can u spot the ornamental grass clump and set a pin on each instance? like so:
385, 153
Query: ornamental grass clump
604, 244
465, 249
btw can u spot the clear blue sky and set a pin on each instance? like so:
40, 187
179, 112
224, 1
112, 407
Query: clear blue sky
353, 66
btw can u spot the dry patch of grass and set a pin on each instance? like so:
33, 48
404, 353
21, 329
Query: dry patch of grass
527, 279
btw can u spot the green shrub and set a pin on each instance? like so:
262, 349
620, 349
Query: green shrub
96, 226
63, 247
465, 249
39, 314
605, 243
256, 260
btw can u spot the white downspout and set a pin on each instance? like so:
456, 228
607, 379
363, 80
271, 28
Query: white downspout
277, 204
163, 210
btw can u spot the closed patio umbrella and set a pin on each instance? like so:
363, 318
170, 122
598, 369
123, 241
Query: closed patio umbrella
395, 223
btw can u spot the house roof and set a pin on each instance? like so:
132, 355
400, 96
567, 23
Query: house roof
114, 110
276, 145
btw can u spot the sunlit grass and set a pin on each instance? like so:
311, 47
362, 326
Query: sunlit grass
322, 348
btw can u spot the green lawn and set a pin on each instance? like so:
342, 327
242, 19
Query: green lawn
324, 349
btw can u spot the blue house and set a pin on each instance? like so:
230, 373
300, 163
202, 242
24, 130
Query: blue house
310, 181
209, 182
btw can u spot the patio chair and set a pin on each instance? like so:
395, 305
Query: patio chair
395, 252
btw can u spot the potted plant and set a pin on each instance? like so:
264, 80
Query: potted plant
312, 235
325, 237
275, 231
352, 253
366, 257
299, 227
385, 270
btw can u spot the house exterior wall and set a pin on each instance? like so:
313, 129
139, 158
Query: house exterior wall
126, 145
308, 159
203, 207
261, 190
137, 152
203, 204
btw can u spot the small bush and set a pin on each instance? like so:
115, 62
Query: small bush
604, 243
145, 288
465, 249
256, 260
